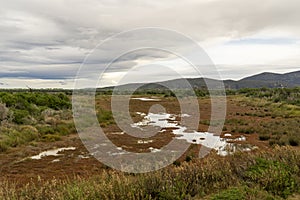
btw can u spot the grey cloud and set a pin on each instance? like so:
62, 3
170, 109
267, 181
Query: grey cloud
23, 45
40, 74
36, 36
99, 19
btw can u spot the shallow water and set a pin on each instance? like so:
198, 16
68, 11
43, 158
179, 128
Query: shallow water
119, 151
223, 146
144, 141
53, 152
154, 150
146, 99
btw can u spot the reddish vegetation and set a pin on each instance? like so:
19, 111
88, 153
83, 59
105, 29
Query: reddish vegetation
16, 165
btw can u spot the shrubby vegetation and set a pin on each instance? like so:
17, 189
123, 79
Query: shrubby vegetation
280, 104
27, 100
242, 193
279, 124
286, 95
44, 111
165, 92
105, 117
27, 116
283, 95
271, 174
259, 175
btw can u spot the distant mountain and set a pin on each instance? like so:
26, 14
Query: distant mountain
266, 79
196, 83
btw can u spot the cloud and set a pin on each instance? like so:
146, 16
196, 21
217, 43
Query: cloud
48, 40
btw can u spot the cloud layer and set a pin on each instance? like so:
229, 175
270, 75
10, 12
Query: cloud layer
43, 43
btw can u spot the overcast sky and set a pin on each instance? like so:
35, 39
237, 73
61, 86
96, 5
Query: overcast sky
43, 43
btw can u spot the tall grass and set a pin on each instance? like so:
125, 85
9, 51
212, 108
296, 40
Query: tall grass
261, 175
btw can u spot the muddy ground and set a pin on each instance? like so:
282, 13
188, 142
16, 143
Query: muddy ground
16, 164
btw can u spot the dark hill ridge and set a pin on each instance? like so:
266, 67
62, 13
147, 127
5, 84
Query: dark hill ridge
266, 79
269, 80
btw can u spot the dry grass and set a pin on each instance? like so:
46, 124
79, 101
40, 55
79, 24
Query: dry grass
213, 177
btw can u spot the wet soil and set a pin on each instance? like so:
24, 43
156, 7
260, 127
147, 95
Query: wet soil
16, 165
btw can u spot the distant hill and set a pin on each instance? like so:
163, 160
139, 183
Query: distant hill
270, 80
266, 79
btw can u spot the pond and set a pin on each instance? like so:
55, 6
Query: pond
145, 99
223, 145
52, 152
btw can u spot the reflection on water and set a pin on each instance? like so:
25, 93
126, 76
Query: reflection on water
223, 146
154, 150
145, 99
53, 152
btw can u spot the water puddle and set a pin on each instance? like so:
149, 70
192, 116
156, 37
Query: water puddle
223, 145
55, 160
118, 133
145, 99
53, 152
154, 150
83, 157
144, 141
161, 120
120, 151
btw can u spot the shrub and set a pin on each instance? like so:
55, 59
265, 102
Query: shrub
19, 116
3, 146
43, 130
13, 138
188, 158
3, 111
242, 193
62, 129
105, 117
8, 99
29, 133
231, 194
264, 137
273, 176
215, 177
294, 142
51, 138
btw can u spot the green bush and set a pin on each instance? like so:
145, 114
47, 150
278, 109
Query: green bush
273, 176
276, 95
63, 129
43, 130
231, 194
25, 100
51, 138
210, 178
3, 146
29, 133
8, 98
105, 117
19, 116
242, 193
